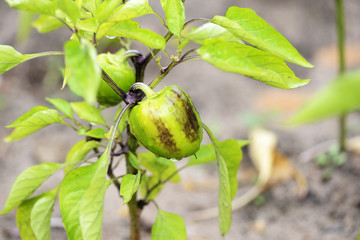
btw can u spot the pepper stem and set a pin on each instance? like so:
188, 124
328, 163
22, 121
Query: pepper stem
144, 88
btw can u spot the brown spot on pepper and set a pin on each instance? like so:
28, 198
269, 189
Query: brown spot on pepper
189, 120
164, 134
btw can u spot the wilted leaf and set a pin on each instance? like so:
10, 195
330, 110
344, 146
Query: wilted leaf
261, 150
353, 144
283, 170
273, 167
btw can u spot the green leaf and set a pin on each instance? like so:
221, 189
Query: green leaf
78, 152
160, 167
32, 121
105, 10
230, 150
224, 186
145, 36
96, 133
27, 182
73, 188
337, 98
168, 226
224, 195
76, 212
47, 7
205, 154
89, 25
147, 183
62, 105
131, 9
129, 185
41, 215
91, 206
23, 219
46, 23
245, 24
71, 9
37, 116
174, 15
82, 197
134, 161
33, 216
9, 57
91, 5
251, 62
80, 59
114, 27
210, 31
88, 112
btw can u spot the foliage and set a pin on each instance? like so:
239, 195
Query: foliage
221, 42
337, 98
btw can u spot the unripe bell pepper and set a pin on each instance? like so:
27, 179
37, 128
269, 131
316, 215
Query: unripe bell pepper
166, 122
120, 72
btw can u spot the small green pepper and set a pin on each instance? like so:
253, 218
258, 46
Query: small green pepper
120, 72
166, 122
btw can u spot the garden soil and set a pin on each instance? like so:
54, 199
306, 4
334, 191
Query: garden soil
230, 105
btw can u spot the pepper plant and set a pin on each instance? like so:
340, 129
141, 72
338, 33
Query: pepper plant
151, 130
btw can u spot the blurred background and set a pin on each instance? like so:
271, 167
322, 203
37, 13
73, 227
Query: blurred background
230, 105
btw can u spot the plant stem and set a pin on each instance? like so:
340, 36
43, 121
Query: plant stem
133, 204
340, 22
142, 63
162, 182
162, 74
113, 85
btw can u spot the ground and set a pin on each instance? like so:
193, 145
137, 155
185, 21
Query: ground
229, 104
